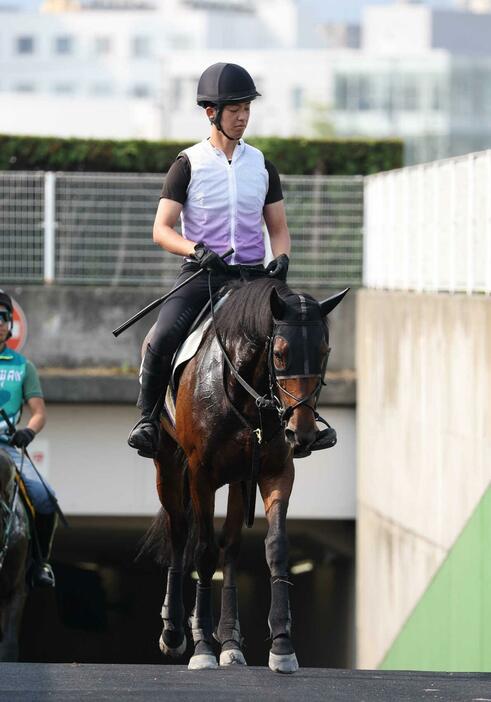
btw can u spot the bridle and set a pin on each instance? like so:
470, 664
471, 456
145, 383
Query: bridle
285, 413
7, 511
273, 400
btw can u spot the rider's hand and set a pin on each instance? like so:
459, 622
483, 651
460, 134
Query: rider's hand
209, 259
278, 267
22, 438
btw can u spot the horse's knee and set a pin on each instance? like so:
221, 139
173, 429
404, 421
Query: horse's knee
276, 541
206, 559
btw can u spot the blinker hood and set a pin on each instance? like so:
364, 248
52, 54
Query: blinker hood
304, 358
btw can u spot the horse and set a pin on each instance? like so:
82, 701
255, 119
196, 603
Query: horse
245, 407
14, 555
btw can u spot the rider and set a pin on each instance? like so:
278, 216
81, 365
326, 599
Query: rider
222, 189
19, 385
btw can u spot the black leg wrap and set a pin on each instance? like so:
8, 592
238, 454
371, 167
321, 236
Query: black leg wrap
279, 614
202, 619
173, 610
228, 632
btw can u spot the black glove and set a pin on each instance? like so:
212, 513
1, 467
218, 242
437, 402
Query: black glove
22, 438
208, 259
278, 267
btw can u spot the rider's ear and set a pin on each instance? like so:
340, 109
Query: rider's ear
277, 304
328, 305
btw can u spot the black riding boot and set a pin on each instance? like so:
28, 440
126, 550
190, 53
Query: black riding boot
41, 572
156, 372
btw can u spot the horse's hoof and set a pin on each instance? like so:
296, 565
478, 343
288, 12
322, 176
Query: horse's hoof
286, 663
203, 661
173, 652
232, 657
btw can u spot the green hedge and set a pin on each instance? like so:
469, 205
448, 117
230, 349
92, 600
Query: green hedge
291, 156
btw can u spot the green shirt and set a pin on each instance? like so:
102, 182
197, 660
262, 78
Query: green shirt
19, 382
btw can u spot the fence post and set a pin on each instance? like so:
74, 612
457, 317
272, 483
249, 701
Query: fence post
49, 226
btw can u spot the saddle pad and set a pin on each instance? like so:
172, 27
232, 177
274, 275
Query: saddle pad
184, 354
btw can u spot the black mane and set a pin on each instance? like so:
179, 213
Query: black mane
247, 310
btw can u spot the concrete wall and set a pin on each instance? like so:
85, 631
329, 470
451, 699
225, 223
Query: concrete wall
84, 454
70, 326
424, 471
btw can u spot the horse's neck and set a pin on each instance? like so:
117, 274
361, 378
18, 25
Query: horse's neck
6, 478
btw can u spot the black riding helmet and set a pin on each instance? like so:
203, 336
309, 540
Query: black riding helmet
223, 84
6, 301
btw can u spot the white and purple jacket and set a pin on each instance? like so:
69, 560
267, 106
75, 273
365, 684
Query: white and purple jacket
225, 201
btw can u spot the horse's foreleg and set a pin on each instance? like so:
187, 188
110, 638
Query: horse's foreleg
228, 632
11, 613
203, 497
276, 493
170, 489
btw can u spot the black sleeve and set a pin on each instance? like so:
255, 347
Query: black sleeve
177, 180
275, 193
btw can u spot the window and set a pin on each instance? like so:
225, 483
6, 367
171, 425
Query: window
25, 45
101, 89
24, 88
297, 97
64, 45
102, 46
141, 46
64, 88
140, 90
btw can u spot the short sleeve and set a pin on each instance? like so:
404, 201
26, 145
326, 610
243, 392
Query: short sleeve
177, 180
31, 386
275, 193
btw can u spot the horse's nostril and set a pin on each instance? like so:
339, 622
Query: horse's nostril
290, 436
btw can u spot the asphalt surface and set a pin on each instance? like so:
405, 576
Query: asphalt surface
38, 682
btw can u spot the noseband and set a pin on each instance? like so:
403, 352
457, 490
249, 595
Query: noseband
303, 338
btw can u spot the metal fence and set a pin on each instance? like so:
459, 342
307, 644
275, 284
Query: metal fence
428, 227
93, 228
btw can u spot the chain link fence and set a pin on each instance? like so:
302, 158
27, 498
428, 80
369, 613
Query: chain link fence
93, 228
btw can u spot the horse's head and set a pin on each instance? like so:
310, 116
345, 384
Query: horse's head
299, 354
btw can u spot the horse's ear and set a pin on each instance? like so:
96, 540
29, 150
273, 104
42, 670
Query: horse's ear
277, 304
328, 305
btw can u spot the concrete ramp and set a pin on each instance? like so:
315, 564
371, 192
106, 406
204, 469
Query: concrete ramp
40, 682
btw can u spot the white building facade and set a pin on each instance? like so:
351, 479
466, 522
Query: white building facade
130, 71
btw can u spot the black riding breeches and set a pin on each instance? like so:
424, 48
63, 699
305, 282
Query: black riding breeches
181, 308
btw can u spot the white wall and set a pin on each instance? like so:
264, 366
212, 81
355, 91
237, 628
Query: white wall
85, 456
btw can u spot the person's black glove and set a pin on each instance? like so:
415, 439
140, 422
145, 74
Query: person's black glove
278, 267
22, 438
209, 259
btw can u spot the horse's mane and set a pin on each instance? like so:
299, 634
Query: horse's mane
247, 311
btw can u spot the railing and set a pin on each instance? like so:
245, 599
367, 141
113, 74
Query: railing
86, 228
428, 227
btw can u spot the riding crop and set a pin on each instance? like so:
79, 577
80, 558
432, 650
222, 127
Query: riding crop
129, 322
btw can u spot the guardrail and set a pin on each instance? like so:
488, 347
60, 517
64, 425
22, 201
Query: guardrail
96, 228
428, 227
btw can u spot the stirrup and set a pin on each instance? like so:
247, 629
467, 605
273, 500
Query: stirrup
145, 445
42, 575
325, 439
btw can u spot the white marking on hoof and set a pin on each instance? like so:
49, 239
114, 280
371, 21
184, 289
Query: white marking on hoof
203, 661
232, 657
283, 663
173, 652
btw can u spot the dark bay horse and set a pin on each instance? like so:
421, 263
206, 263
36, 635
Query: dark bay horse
245, 402
14, 553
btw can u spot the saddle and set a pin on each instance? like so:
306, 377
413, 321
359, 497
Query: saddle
186, 351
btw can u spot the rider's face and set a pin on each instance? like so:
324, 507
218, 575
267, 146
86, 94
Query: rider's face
4, 325
235, 118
